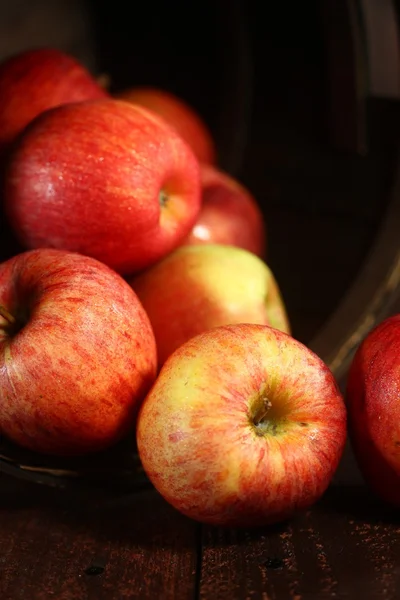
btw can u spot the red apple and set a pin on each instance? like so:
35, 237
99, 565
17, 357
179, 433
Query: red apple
196, 288
178, 113
38, 79
77, 353
103, 178
243, 426
229, 214
373, 399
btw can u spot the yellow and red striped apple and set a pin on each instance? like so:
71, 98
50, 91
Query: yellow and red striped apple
77, 353
196, 288
244, 426
103, 178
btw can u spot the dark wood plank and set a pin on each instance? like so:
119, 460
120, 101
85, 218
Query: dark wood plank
135, 547
347, 546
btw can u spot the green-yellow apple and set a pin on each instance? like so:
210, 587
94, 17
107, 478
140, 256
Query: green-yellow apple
196, 288
373, 400
229, 214
244, 426
77, 353
103, 178
187, 122
35, 80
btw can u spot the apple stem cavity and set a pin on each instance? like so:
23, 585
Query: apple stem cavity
262, 419
262, 411
7, 315
163, 198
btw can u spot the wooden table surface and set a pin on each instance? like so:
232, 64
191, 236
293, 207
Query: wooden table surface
137, 546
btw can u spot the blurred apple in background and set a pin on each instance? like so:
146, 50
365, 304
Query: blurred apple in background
196, 288
229, 214
373, 400
178, 113
103, 178
35, 80
77, 353
243, 426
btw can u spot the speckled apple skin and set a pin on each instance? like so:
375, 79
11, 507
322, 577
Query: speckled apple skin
89, 177
73, 377
196, 288
200, 449
373, 400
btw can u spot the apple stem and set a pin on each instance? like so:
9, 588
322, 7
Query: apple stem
162, 198
263, 411
7, 315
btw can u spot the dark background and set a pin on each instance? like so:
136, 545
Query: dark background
261, 76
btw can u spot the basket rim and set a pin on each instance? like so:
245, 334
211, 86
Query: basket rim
372, 295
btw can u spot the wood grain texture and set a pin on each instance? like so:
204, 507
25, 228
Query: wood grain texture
347, 546
51, 547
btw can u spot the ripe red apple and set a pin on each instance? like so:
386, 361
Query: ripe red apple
373, 400
77, 353
187, 122
229, 214
243, 426
103, 178
38, 79
196, 288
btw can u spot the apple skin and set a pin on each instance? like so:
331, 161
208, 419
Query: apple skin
244, 426
229, 214
89, 178
35, 80
196, 288
372, 396
80, 358
177, 113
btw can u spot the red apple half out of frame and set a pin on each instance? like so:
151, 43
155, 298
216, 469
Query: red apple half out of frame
373, 401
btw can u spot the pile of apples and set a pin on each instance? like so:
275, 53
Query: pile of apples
142, 305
